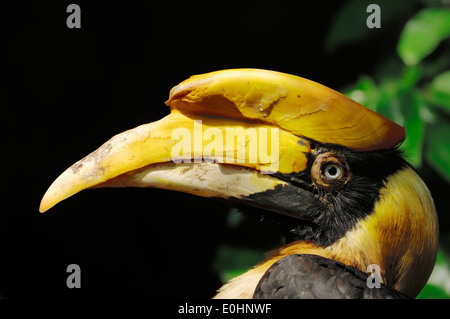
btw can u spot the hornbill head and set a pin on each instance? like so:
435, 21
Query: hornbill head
328, 166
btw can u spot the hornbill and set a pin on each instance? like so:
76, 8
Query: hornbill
334, 177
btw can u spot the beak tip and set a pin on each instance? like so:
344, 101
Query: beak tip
195, 84
45, 204
43, 208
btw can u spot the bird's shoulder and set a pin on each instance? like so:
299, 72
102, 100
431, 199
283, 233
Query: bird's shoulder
306, 276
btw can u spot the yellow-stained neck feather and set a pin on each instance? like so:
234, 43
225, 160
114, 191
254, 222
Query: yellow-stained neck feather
401, 236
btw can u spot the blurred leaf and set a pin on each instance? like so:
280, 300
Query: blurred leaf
428, 115
409, 78
434, 3
441, 259
389, 104
234, 218
349, 24
423, 33
438, 286
227, 275
234, 261
365, 92
411, 103
396, 100
440, 90
389, 68
438, 148
432, 292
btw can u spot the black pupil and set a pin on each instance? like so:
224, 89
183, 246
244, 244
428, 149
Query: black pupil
332, 170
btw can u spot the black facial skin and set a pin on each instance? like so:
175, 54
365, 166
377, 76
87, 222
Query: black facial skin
305, 211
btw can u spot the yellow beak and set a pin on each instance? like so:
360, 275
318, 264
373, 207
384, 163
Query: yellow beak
230, 134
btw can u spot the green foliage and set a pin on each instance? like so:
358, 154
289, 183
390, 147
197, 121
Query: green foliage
423, 33
433, 292
438, 154
440, 91
233, 261
438, 286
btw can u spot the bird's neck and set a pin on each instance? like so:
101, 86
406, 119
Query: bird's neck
401, 236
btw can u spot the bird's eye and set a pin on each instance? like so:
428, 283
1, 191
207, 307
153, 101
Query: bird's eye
330, 171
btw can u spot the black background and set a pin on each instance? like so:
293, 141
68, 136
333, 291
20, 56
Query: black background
67, 91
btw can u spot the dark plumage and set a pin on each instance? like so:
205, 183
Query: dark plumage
304, 276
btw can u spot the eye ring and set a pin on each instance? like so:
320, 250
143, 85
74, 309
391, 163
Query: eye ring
330, 171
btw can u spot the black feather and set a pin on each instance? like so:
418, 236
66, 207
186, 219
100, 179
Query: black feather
306, 276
